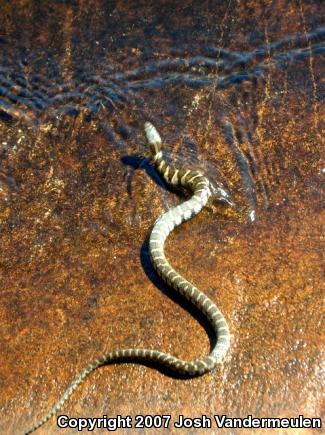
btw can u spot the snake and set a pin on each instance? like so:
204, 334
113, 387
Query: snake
201, 189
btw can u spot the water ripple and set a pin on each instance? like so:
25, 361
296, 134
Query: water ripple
32, 96
28, 93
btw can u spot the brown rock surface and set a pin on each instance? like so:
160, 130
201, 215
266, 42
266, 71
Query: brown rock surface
235, 88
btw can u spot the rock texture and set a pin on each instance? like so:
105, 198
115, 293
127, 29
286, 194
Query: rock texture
236, 89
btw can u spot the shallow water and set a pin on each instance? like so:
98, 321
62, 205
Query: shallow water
235, 89
142, 69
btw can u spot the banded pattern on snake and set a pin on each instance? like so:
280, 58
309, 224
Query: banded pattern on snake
201, 189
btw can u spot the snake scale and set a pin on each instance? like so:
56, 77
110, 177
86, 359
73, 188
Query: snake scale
201, 189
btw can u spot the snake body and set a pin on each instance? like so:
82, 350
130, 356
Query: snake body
201, 189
